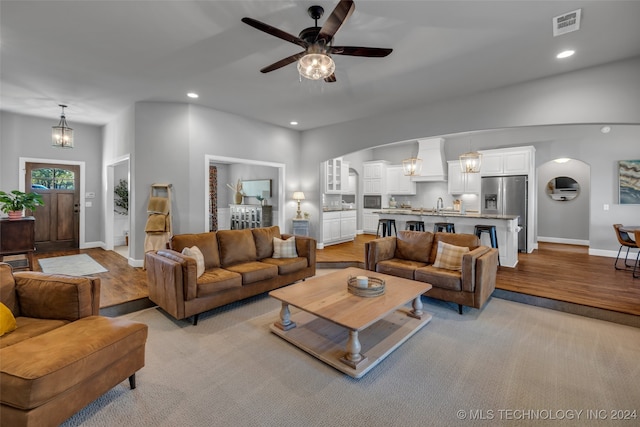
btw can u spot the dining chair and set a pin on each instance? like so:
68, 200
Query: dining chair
636, 234
625, 241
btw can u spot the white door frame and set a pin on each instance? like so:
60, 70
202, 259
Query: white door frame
22, 171
209, 158
109, 215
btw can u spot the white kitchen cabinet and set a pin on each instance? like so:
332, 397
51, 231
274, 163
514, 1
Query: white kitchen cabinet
397, 183
507, 161
460, 182
369, 221
338, 227
348, 225
374, 177
334, 176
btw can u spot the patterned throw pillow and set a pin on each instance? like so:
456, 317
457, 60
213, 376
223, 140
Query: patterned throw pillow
196, 253
7, 321
284, 248
450, 256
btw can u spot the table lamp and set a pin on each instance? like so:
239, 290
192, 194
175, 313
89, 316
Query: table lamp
298, 195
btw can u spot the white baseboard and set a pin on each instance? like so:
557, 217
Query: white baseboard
89, 245
609, 254
136, 262
563, 241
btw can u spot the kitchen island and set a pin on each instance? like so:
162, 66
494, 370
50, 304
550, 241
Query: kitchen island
506, 227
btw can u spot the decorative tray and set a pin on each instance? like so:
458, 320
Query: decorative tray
374, 286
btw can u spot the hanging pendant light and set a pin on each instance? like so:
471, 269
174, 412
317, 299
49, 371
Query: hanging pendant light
470, 162
62, 135
412, 166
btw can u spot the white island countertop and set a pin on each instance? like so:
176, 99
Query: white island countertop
507, 228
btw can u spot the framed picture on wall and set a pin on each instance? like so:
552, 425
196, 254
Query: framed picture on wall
629, 182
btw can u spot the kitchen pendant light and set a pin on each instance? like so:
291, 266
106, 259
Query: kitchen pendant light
62, 135
412, 166
470, 162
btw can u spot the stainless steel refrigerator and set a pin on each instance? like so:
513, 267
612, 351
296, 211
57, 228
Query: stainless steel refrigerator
507, 195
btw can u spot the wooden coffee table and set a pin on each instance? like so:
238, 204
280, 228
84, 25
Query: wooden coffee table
351, 333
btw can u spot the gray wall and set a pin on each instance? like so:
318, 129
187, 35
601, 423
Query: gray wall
606, 94
27, 136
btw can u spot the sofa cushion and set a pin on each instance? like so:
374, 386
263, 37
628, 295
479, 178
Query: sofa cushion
194, 252
254, 271
284, 248
439, 278
206, 242
217, 279
63, 296
458, 239
7, 321
287, 265
29, 327
74, 353
450, 256
236, 246
414, 245
263, 238
399, 267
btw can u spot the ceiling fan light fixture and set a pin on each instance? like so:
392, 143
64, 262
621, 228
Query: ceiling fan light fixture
316, 66
62, 135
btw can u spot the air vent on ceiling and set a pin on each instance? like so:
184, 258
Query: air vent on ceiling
566, 23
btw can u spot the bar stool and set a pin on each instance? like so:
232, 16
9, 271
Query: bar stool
386, 227
415, 225
493, 236
625, 241
447, 227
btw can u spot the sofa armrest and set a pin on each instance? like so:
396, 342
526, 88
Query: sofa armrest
378, 250
479, 268
173, 272
57, 296
306, 247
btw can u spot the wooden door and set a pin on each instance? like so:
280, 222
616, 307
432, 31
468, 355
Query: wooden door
58, 221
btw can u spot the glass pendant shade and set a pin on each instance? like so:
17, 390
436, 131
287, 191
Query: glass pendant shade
62, 135
470, 162
412, 166
316, 66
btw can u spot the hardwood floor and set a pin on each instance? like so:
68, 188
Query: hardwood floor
554, 271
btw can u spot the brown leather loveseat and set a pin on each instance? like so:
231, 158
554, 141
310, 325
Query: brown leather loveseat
237, 264
413, 255
61, 355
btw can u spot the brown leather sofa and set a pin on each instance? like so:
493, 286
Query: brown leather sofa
412, 254
62, 355
238, 264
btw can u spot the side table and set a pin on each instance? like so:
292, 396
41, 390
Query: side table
301, 227
18, 237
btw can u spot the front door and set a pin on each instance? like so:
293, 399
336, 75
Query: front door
57, 224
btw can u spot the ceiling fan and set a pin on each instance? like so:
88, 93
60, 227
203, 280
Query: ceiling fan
315, 61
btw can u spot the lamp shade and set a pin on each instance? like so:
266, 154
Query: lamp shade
316, 66
470, 162
298, 195
412, 166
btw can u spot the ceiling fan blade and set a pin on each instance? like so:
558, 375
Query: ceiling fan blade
331, 78
275, 32
372, 52
341, 13
286, 61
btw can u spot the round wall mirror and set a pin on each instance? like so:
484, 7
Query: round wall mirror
562, 188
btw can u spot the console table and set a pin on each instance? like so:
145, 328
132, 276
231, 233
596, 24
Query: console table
18, 237
301, 227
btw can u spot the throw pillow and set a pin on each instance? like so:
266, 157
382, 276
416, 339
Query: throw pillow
449, 256
284, 248
7, 321
195, 252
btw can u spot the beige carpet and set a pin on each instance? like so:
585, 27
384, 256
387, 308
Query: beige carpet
74, 265
508, 362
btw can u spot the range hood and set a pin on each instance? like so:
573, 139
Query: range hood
434, 165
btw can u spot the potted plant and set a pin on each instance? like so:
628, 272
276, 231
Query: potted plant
121, 199
16, 201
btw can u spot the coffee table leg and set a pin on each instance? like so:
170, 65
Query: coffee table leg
353, 356
417, 312
285, 322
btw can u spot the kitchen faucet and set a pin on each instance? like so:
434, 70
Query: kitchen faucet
439, 204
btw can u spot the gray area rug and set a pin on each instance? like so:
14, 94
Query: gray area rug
74, 265
510, 364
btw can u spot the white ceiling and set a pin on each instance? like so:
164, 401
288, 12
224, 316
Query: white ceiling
100, 57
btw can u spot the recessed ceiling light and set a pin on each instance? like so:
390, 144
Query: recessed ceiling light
192, 95
605, 129
565, 54
293, 123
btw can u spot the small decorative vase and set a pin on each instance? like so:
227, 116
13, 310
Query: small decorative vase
14, 215
238, 198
